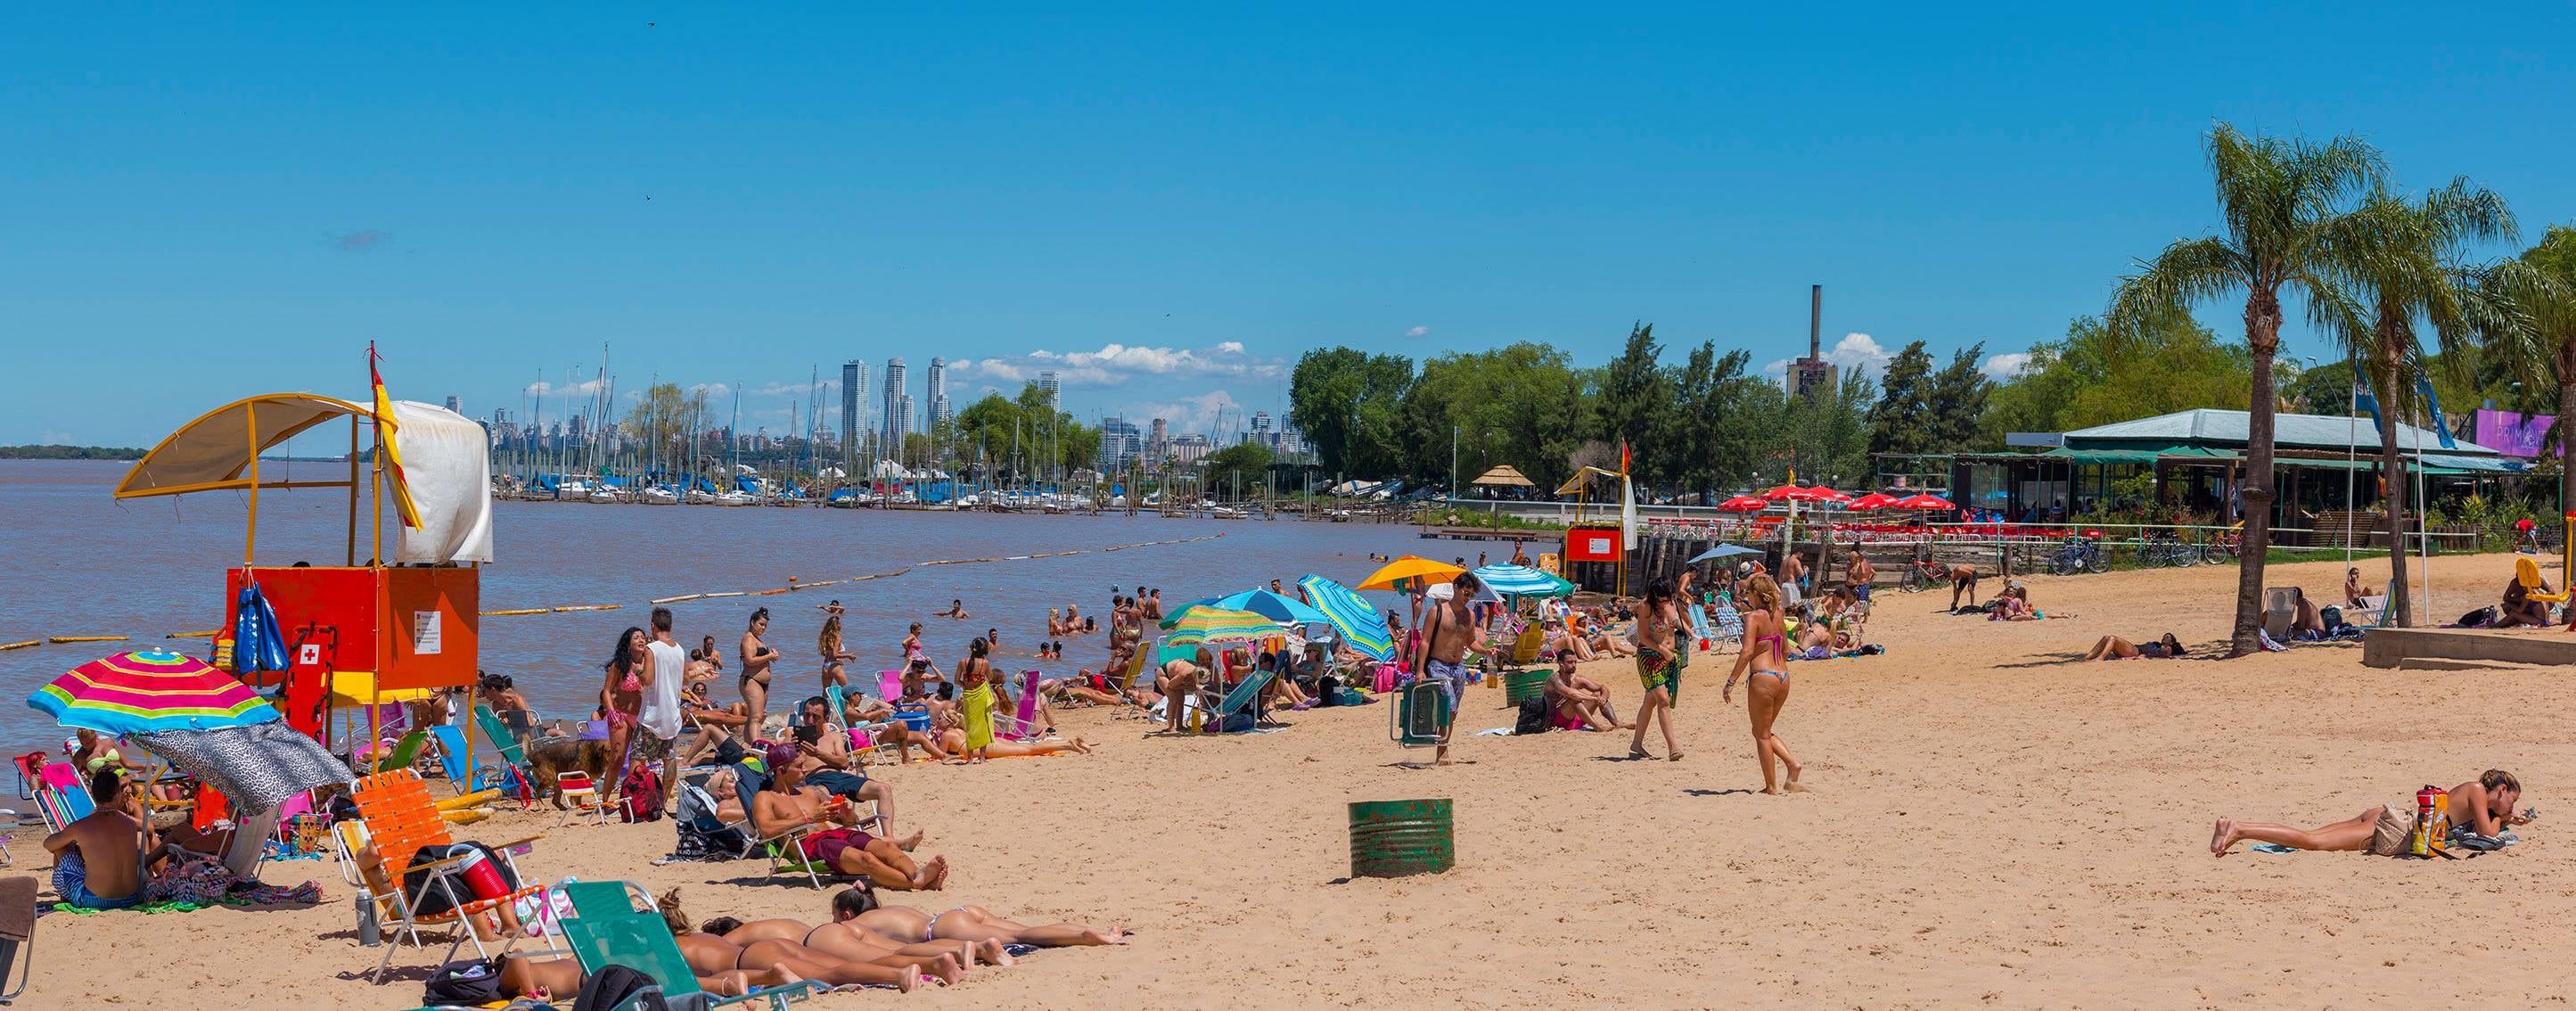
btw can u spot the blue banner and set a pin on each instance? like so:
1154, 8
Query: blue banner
2433, 406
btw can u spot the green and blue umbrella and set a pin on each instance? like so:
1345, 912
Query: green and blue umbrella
1217, 626
1351, 616
1508, 580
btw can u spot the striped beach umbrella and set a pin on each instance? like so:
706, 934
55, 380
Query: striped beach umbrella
1351, 616
149, 691
1508, 580
1219, 626
1274, 606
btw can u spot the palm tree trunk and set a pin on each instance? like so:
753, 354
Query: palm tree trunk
2263, 338
2392, 465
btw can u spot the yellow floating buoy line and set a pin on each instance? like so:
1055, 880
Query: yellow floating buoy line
59, 639
207, 634
5, 647
586, 607
522, 610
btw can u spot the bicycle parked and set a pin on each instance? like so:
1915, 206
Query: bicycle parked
2080, 553
2164, 550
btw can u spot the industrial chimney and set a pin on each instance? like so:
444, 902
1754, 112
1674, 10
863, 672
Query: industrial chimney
1815, 321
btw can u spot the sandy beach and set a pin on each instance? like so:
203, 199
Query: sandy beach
1991, 822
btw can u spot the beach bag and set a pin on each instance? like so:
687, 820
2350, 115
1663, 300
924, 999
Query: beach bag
612, 986
1324, 688
1349, 697
463, 984
643, 797
2332, 617
444, 898
1533, 717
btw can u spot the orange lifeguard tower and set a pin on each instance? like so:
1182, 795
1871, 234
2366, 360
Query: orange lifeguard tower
408, 623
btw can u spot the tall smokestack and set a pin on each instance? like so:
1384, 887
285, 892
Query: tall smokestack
1815, 321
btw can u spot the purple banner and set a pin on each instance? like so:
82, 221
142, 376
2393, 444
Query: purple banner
2514, 434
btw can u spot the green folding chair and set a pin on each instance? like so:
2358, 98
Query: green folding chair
605, 929
1420, 716
406, 752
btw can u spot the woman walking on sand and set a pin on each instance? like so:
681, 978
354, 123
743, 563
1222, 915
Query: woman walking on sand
1658, 668
621, 692
1765, 653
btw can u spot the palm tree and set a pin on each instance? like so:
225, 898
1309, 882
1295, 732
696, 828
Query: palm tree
2400, 257
2278, 201
2541, 286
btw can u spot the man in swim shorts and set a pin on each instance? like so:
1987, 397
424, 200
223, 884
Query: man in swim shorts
1449, 629
109, 840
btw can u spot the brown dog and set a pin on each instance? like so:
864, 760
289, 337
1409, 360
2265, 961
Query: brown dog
554, 755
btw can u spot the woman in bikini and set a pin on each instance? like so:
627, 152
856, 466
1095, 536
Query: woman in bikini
858, 905
948, 961
2112, 647
712, 956
621, 693
757, 659
834, 655
1657, 669
1765, 655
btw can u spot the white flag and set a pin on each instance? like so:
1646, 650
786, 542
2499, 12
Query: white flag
1628, 512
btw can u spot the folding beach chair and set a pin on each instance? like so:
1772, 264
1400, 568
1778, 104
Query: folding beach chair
1023, 726
580, 793
606, 929
61, 797
401, 820
785, 848
2280, 610
486, 772
405, 754
17, 935
1420, 716
698, 810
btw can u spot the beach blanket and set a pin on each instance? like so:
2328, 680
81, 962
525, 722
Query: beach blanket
204, 881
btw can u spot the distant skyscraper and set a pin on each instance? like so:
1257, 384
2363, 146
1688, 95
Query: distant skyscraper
1119, 442
1158, 443
1054, 390
898, 407
938, 390
854, 391
455, 405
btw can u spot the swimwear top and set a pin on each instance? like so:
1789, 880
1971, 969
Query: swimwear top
1779, 647
103, 759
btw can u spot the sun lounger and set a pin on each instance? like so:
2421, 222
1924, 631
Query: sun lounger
401, 820
61, 797
606, 929
487, 771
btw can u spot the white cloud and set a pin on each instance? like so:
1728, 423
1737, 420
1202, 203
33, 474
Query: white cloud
1115, 364
1419, 331
541, 388
1859, 351
2005, 366
1189, 415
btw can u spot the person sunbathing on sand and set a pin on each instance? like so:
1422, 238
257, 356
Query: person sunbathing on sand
560, 978
788, 802
725, 939
2483, 805
857, 905
710, 956
2113, 647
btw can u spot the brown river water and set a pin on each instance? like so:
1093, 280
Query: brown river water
74, 561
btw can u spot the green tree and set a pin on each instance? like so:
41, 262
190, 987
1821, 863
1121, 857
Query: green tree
1954, 400
2400, 255
1523, 404
659, 421
2279, 201
1636, 394
1348, 402
1902, 421
1246, 460
2541, 284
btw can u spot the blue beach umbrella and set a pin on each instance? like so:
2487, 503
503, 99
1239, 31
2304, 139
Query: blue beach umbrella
1351, 616
1723, 551
1269, 605
1508, 580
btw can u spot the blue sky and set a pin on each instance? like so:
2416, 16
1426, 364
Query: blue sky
201, 203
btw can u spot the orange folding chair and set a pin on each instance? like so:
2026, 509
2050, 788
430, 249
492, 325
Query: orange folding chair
401, 820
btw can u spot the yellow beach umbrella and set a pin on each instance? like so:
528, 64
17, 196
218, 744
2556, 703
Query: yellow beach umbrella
1408, 572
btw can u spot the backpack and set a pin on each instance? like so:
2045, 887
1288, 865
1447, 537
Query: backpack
465, 984
1533, 716
643, 797
2332, 617
612, 987
1324, 690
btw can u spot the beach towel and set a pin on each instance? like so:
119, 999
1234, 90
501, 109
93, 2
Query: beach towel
975, 710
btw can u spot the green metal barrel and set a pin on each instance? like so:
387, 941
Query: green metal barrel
1523, 685
1394, 838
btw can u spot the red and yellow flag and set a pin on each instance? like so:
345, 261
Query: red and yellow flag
403, 505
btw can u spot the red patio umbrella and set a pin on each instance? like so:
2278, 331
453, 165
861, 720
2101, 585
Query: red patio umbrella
1793, 493
1925, 501
1745, 504
1873, 500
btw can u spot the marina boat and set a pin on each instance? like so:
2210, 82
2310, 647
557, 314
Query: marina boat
660, 494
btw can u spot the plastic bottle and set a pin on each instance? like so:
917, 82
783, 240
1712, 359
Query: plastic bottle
2420, 842
2437, 837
